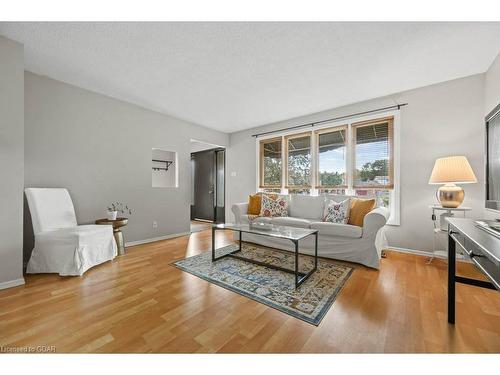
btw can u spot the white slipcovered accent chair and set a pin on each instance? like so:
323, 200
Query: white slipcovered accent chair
61, 245
337, 241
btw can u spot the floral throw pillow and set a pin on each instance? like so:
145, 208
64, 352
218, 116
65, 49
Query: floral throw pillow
274, 206
337, 212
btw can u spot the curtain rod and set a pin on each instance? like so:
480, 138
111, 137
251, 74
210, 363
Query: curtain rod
396, 106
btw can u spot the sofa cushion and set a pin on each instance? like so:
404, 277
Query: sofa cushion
306, 206
341, 230
292, 222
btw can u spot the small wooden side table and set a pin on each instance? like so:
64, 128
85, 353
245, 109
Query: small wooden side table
117, 233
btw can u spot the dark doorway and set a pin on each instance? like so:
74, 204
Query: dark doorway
208, 179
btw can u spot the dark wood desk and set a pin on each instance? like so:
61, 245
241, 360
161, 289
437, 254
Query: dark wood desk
482, 248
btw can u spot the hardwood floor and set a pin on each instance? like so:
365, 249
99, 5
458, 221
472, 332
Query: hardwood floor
198, 226
139, 303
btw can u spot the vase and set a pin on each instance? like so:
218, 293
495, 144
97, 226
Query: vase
112, 215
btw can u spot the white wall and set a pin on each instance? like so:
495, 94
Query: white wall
100, 149
440, 120
11, 162
492, 86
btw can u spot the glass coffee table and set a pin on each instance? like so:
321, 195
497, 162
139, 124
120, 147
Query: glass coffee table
289, 233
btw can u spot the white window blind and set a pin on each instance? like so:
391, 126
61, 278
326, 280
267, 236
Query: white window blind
331, 145
298, 151
270, 163
373, 160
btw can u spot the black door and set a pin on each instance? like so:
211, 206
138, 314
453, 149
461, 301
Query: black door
203, 164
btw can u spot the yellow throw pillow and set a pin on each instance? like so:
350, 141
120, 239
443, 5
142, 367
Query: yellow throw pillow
254, 203
359, 209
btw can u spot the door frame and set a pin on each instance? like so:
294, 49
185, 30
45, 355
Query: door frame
215, 149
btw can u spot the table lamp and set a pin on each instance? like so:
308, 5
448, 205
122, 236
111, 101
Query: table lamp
450, 171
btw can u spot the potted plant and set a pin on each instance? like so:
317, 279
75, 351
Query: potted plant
118, 207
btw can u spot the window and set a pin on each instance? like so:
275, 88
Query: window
373, 164
354, 158
270, 163
332, 159
382, 196
298, 161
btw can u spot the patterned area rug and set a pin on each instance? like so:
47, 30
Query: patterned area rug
310, 302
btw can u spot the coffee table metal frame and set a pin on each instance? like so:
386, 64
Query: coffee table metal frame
300, 277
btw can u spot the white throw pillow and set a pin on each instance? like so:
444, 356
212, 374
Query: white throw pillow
272, 207
337, 212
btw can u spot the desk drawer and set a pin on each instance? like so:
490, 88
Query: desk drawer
470, 247
486, 266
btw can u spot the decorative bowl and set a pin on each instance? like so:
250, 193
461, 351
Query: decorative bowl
261, 226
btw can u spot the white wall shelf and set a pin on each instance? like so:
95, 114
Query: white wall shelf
164, 169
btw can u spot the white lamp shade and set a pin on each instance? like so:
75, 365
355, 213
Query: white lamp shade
453, 169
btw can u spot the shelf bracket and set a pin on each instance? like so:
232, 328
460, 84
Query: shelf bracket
168, 163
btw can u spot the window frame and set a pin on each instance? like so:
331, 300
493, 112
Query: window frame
390, 131
261, 163
394, 218
285, 140
317, 133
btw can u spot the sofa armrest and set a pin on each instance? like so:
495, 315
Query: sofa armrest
239, 209
375, 220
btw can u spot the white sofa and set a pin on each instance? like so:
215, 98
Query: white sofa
337, 241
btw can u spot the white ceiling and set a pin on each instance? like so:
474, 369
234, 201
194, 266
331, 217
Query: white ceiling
233, 76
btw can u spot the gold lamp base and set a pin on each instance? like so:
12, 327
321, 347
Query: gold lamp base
451, 195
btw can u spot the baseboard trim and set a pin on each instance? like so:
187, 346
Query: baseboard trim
155, 239
428, 254
412, 251
12, 283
